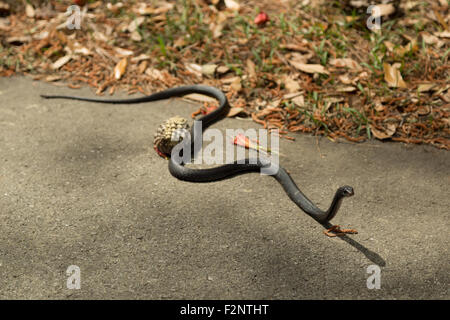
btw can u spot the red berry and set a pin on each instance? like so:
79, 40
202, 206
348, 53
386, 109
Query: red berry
261, 18
80, 2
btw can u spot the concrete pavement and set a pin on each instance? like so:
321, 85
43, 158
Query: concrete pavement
81, 185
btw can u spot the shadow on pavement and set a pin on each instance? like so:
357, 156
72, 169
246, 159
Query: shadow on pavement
372, 256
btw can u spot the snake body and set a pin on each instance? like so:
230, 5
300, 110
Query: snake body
178, 169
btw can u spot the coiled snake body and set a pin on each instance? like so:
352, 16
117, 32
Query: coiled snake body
180, 171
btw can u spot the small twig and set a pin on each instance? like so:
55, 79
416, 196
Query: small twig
337, 231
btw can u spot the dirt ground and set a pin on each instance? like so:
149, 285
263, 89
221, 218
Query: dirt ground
81, 185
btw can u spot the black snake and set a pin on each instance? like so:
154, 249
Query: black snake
178, 169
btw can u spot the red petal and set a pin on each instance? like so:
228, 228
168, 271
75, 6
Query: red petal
261, 18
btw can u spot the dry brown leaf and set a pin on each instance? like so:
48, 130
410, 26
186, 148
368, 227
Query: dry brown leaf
154, 74
346, 89
242, 41
345, 79
346, 62
21, 39
236, 84
4, 8
217, 26
99, 36
95, 5
163, 7
391, 128
144, 9
402, 50
143, 66
431, 39
123, 52
299, 100
291, 84
362, 75
309, 68
443, 34
5, 25
199, 98
52, 78
136, 36
61, 61
442, 89
140, 57
350, 19
180, 42
295, 47
232, 5
290, 96
423, 110
216, 29
425, 87
41, 36
222, 69
296, 57
230, 80
195, 69
114, 7
251, 68
209, 69
359, 3
389, 45
120, 68
386, 134
222, 16
379, 106
383, 10
102, 52
446, 98
296, 97
410, 47
440, 19
393, 76
235, 111
29, 11
82, 50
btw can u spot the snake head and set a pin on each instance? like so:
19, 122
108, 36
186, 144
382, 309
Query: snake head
346, 191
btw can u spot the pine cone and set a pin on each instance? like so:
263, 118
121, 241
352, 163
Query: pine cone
169, 134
